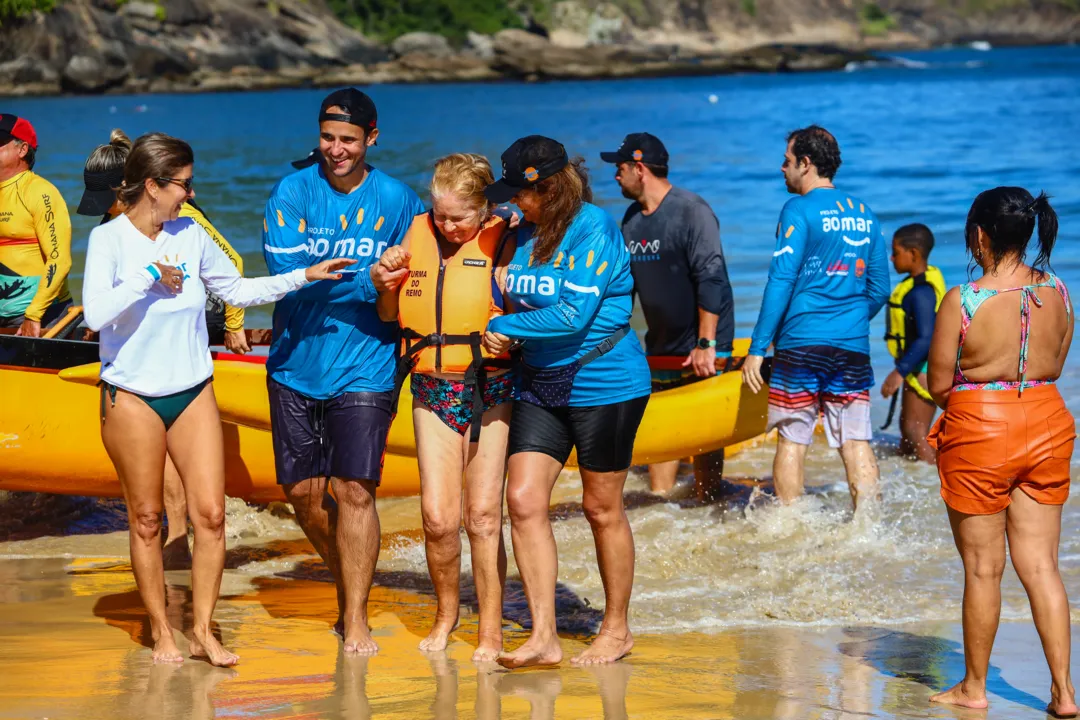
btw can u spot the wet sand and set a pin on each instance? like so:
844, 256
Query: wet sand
74, 646
74, 643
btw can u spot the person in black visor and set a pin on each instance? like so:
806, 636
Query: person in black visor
584, 384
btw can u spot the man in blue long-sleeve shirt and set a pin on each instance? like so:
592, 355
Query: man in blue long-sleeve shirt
828, 277
330, 373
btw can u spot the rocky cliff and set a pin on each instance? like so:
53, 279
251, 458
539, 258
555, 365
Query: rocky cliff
91, 46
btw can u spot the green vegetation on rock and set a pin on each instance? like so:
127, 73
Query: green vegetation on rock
875, 21
10, 9
388, 19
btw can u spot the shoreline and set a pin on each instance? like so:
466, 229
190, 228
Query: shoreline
552, 64
616, 63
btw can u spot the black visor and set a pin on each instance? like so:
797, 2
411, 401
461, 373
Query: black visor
524, 164
100, 191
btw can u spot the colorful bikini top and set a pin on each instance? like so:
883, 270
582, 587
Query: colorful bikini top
971, 298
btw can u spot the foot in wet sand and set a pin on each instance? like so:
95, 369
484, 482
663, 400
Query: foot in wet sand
487, 652
1062, 704
358, 640
533, 653
165, 650
439, 635
957, 695
205, 645
607, 647
339, 628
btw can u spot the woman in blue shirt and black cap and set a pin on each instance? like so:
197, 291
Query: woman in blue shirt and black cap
584, 383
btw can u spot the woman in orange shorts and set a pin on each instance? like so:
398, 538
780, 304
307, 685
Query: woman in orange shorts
1006, 438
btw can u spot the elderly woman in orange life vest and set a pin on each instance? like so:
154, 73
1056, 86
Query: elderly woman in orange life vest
457, 267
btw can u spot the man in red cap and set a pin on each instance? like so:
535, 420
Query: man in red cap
35, 236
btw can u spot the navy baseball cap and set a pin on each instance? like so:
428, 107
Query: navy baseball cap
524, 164
639, 147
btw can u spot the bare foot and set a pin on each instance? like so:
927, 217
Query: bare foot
339, 628
439, 635
204, 644
358, 640
487, 653
1062, 708
607, 647
1062, 702
165, 650
957, 695
176, 555
533, 653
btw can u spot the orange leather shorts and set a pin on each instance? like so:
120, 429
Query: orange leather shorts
990, 442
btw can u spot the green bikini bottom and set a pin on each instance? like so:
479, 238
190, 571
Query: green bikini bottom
168, 407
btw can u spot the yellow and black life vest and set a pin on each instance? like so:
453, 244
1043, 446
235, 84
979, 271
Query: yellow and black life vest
896, 319
443, 309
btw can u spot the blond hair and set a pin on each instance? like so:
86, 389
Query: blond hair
111, 156
464, 176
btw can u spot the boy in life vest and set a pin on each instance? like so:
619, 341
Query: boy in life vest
909, 326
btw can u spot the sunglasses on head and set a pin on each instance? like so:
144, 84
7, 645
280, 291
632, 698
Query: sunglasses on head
185, 183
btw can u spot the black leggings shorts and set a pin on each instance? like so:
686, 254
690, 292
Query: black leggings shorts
604, 434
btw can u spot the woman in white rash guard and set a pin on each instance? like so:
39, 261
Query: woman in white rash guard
144, 289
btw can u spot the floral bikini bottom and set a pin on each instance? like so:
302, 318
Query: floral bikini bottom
451, 401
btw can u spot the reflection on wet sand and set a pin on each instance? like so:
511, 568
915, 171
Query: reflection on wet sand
293, 666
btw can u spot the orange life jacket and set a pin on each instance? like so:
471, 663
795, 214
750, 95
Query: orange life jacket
444, 310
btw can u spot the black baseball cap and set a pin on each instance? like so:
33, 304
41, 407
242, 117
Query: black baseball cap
639, 147
99, 191
360, 111
359, 108
524, 164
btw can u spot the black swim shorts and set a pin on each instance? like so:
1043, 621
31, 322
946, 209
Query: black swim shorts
603, 434
342, 437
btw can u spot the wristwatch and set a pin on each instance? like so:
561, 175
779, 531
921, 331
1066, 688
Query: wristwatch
705, 344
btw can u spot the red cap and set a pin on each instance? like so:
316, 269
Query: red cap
18, 128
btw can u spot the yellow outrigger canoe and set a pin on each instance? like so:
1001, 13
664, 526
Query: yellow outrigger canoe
50, 441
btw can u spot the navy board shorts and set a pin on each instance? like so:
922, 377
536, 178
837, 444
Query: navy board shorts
343, 436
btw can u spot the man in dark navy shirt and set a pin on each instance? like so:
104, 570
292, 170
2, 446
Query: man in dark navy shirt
680, 277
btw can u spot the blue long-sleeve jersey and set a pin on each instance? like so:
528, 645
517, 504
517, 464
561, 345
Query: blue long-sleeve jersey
828, 277
570, 304
328, 338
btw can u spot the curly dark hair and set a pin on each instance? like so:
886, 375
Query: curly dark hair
817, 145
